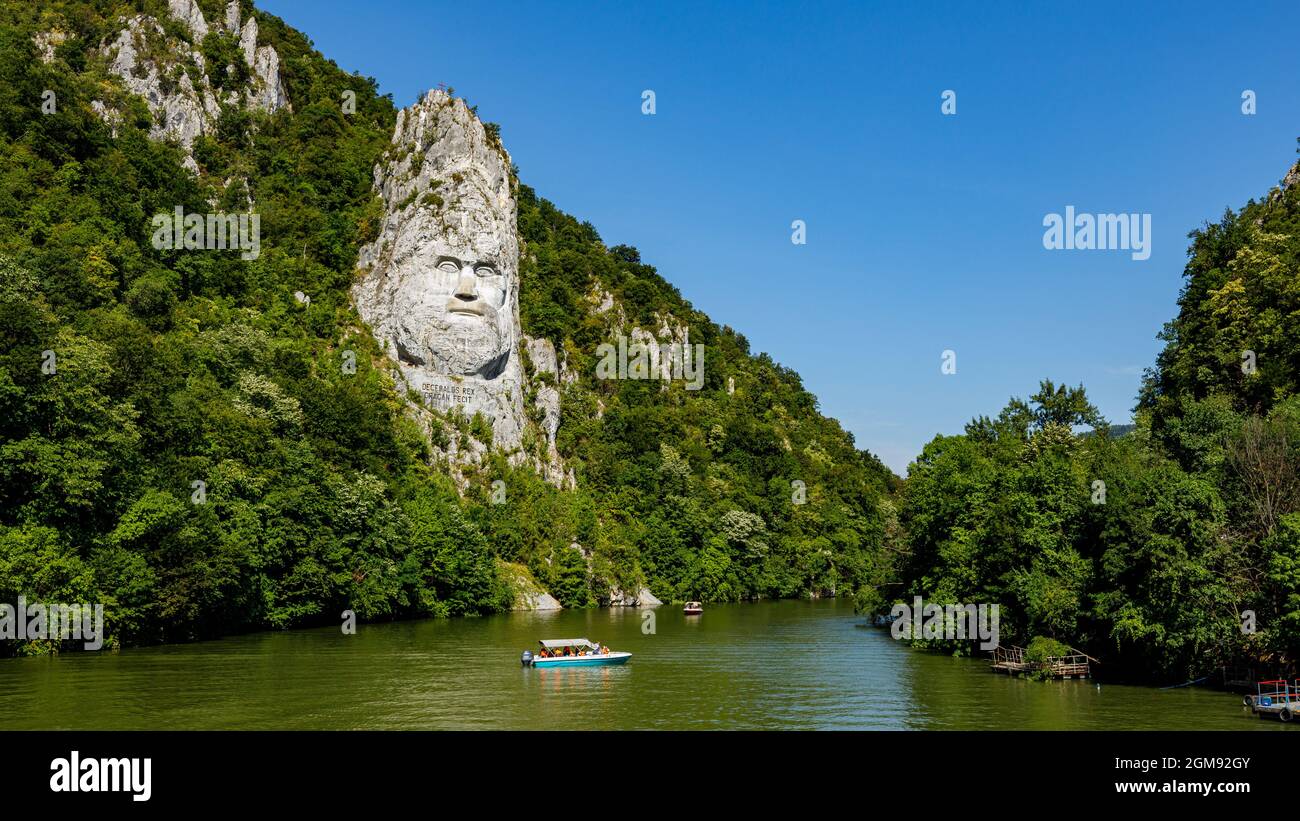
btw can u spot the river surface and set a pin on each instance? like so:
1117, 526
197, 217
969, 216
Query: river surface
763, 665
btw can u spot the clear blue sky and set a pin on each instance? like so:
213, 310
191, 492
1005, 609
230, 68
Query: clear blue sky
924, 231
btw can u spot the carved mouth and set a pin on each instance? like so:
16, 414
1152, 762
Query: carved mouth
469, 308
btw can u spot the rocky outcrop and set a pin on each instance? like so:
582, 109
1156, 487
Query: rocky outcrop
232, 18
548, 374
537, 601
181, 111
665, 345
111, 117
189, 13
266, 89
1292, 177
46, 42
526, 593
1276, 193
439, 286
173, 78
641, 598
661, 348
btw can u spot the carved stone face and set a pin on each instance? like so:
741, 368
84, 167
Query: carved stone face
441, 279
456, 304
439, 283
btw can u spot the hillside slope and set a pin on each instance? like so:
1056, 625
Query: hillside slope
206, 442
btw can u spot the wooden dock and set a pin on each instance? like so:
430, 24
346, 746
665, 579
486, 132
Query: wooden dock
1011, 660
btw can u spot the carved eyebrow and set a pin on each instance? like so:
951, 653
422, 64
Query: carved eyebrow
487, 263
445, 258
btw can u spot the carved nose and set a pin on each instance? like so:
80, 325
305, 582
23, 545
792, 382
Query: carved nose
465, 287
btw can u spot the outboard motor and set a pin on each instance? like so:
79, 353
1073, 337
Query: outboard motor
527, 658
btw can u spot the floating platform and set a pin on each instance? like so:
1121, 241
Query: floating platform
1011, 660
1278, 699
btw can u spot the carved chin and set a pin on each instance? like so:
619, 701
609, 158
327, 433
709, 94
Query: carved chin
466, 346
487, 368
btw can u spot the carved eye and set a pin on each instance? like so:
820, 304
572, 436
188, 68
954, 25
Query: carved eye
485, 271
449, 266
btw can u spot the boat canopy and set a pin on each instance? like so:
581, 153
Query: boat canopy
553, 644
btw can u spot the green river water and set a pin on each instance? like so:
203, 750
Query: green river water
763, 665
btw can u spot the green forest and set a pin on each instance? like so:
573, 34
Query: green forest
179, 367
1167, 547
180, 441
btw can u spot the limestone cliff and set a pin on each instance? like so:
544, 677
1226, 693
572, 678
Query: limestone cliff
439, 288
173, 77
439, 284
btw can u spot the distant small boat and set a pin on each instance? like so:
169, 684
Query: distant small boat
693, 608
572, 653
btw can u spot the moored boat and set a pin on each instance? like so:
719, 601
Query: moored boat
573, 653
693, 608
1278, 699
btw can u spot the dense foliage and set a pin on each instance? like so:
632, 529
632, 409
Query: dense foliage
740, 489
173, 369
183, 440
1168, 547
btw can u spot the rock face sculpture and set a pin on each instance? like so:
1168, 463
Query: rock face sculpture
440, 284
